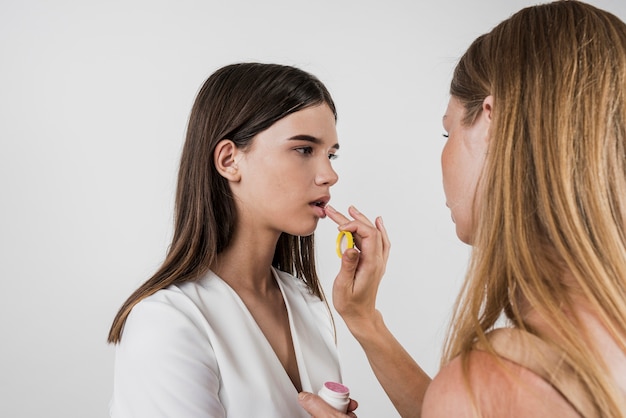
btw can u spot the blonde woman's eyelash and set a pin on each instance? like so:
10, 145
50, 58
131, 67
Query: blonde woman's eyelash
332, 157
445, 135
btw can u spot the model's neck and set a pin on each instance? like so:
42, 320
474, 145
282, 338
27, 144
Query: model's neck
246, 262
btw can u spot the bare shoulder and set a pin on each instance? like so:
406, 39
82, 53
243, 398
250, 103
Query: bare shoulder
493, 386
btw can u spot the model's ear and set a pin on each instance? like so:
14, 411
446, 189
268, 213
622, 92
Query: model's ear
225, 160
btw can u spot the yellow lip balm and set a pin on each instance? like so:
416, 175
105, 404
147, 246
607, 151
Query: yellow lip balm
349, 243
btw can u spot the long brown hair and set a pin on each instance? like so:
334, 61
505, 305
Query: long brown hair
236, 102
553, 189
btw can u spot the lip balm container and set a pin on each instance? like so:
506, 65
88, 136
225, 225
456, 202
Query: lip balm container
335, 394
340, 240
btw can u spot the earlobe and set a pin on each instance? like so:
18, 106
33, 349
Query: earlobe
225, 160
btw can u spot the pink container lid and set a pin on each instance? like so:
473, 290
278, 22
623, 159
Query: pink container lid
337, 387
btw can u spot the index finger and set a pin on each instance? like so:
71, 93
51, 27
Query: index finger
340, 219
336, 216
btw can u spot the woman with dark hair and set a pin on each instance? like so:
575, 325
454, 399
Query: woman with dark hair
235, 323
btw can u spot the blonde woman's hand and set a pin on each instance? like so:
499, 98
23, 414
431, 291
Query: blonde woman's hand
316, 406
356, 285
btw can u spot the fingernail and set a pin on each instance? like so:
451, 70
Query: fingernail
351, 255
302, 396
355, 209
329, 208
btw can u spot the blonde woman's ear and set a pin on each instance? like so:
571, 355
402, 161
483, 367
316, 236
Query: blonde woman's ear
225, 160
488, 107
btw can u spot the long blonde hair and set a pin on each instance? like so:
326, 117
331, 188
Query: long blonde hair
554, 185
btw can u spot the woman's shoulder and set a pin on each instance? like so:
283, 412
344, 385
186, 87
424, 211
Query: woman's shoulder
158, 311
495, 387
169, 310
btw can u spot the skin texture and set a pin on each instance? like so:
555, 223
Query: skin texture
275, 183
520, 393
462, 160
280, 175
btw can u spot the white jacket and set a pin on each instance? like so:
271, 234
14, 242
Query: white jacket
195, 351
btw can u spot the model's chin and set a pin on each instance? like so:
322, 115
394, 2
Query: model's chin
310, 231
305, 231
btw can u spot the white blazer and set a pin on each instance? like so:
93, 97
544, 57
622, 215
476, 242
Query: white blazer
194, 351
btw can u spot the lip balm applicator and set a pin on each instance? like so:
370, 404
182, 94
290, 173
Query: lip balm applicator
349, 242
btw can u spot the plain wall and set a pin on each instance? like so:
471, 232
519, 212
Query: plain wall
94, 99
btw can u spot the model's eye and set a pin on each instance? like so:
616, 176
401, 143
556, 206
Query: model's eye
332, 156
305, 150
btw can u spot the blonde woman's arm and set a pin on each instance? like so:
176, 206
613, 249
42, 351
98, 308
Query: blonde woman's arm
354, 298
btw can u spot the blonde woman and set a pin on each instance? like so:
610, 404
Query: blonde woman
534, 174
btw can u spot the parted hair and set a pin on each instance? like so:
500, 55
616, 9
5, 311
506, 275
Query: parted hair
553, 189
236, 102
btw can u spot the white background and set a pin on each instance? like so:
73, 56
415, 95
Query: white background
94, 99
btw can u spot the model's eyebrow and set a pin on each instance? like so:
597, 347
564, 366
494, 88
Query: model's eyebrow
309, 138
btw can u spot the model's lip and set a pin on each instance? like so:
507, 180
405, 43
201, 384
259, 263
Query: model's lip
321, 202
